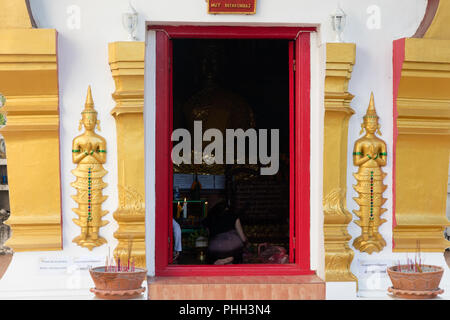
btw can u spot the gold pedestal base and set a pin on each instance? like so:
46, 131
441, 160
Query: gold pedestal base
89, 242
369, 244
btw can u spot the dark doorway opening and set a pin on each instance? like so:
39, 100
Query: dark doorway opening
232, 84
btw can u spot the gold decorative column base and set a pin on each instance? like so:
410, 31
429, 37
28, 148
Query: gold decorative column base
130, 217
126, 60
338, 254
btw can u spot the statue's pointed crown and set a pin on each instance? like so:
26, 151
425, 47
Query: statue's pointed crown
89, 105
371, 112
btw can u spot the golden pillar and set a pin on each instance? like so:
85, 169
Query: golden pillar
422, 147
338, 255
423, 142
29, 80
126, 60
16, 14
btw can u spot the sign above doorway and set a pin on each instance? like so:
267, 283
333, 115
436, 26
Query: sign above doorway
232, 6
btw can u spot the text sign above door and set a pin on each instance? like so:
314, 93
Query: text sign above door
232, 6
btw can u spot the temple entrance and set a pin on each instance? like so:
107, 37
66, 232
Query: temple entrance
232, 212
232, 149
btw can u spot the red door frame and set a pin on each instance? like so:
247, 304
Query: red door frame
291, 151
300, 132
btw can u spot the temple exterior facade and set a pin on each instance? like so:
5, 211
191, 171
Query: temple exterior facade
362, 202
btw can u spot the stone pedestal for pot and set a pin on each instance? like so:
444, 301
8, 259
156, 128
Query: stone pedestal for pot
117, 285
416, 285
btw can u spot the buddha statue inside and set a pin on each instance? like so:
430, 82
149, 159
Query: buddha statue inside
370, 154
89, 153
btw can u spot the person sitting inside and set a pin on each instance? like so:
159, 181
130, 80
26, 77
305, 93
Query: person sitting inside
226, 237
177, 248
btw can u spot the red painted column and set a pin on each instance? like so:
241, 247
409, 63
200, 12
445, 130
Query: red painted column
302, 150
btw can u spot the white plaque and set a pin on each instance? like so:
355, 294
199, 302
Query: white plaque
84, 263
373, 280
53, 265
68, 264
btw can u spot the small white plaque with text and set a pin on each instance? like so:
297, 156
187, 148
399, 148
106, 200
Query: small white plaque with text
67, 265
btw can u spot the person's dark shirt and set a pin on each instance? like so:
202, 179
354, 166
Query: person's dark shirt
220, 220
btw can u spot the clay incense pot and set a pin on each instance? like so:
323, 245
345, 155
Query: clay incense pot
416, 285
5, 260
113, 285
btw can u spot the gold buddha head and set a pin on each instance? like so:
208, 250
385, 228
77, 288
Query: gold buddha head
370, 120
89, 114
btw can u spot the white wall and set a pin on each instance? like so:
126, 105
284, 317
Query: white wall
83, 60
318, 61
149, 126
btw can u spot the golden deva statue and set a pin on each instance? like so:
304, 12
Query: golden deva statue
369, 154
89, 153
